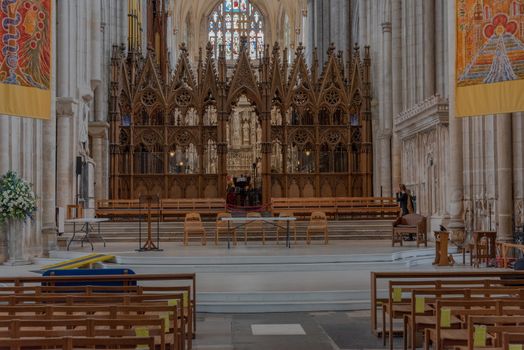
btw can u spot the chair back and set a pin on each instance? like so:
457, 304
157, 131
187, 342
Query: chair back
221, 223
285, 214
193, 217
318, 216
253, 214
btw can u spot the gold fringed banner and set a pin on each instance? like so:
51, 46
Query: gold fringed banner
25, 58
490, 57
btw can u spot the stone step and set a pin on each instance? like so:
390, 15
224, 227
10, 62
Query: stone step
174, 231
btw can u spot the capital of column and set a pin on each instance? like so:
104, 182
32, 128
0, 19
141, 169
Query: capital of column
65, 106
98, 129
386, 27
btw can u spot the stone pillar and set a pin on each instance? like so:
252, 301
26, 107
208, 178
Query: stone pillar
4, 144
64, 166
456, 177
362, 22
396, 78
429, 47
386, 103
98, 132
48, 200
518, 167
504, 177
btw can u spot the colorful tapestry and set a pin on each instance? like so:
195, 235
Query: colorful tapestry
490, 57
25, 58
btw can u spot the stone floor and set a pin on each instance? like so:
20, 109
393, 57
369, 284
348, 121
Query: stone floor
319, 331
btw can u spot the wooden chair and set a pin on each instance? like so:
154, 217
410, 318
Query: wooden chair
317, 224
222, 227
283, 226
414, 224
255, 226
193, 226
511, 338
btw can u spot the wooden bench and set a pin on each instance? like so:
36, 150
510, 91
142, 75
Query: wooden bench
180, 279
74, 343
378, 277
465, 310
421, 298
178, 329
397, 305
336, 207
49, 328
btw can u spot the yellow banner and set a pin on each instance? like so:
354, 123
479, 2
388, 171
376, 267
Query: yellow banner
25, 58
489, 57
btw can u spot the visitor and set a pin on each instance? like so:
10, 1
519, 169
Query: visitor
402, 199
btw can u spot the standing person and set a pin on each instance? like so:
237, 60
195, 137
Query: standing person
402, 199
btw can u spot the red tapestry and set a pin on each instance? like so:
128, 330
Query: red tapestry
25, 34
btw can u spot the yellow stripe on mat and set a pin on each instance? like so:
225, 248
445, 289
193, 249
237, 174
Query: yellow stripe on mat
78, 262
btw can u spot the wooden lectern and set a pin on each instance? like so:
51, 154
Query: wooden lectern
147, 201
441, 248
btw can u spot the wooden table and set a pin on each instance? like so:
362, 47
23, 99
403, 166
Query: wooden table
87, 227
270, 220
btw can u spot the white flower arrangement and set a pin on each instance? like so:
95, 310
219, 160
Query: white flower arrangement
17, 200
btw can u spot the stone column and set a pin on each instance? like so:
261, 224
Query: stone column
48, 200
4, 144
362, 22
396, 79
429, 47
64, 167
456, 177
518, 167
387, 113
504, 177
98, 132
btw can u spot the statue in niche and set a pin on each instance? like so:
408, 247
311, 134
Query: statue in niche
83, 135
245, 132
236, 129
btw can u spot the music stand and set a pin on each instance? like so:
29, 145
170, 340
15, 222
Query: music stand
149, 245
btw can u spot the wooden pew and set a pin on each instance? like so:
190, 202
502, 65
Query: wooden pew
464, 310
175, 279
70, 343
396, 309
376, 277
84, 328
177, 330
510, 338
432, 296
141, 301
495, 327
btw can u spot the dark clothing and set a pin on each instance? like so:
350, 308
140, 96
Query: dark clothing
402, 199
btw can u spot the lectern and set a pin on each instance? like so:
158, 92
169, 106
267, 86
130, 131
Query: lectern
441, 248
145, 203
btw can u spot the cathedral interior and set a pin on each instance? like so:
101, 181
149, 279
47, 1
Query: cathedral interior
296, 98
312, 171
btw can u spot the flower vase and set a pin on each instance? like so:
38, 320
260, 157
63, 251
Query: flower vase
15, 238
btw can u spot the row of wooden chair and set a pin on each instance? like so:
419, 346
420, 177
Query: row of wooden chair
163, 313
193, 226
442, 311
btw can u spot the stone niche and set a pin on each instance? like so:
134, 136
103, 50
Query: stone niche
424, 136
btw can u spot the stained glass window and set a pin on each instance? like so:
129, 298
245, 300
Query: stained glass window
232, 20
